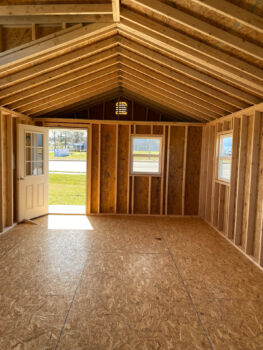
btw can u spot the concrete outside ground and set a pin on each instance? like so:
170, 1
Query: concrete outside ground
80, 166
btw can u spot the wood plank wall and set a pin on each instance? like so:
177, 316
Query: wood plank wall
236, 209
8, 124
114, 190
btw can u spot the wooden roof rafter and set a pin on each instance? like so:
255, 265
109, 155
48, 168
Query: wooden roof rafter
163, 75
132, 85
230, 10
129, 54
188, 71
116, 10
50, 87
108, 74
168, 91
46, 102
90, 102
102, 87
155, 104
84, 75
173, 15
171, 100
52, 21
124, 92
199, 54
102, 74
56, 13
56, 44
120, 92
141, 52
55, 9
56, 63
29, 96
225, 88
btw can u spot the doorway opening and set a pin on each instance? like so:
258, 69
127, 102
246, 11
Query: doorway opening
67, 171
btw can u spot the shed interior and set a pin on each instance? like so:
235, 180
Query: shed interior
189, 73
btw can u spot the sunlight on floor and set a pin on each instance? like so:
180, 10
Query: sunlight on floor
69, 222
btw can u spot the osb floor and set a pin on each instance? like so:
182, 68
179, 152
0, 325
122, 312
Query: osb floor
126, 283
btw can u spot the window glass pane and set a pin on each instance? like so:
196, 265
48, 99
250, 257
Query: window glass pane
28, 153
40, 140
225, 157
226, 146
34, 168
28, 139
146, 145
34, 140
40, 168
146, 155
145, 165
40, 154
28, 168
225, 168
34, 154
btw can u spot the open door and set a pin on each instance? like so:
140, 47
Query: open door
32, 171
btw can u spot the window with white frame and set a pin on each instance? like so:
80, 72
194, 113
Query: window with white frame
146, 155
224, 156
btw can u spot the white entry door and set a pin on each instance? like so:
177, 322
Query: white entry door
32, 171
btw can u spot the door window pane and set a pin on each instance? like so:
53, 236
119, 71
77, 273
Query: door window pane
34, 139
34, 154
39, 168
28, 153
40, 140
34, 168
28, 139
40, 154
28, 168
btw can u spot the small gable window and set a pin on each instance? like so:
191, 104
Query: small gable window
121, 108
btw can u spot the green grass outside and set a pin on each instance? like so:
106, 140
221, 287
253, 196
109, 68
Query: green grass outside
73, 155
66, 189
145, 152
145, 159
